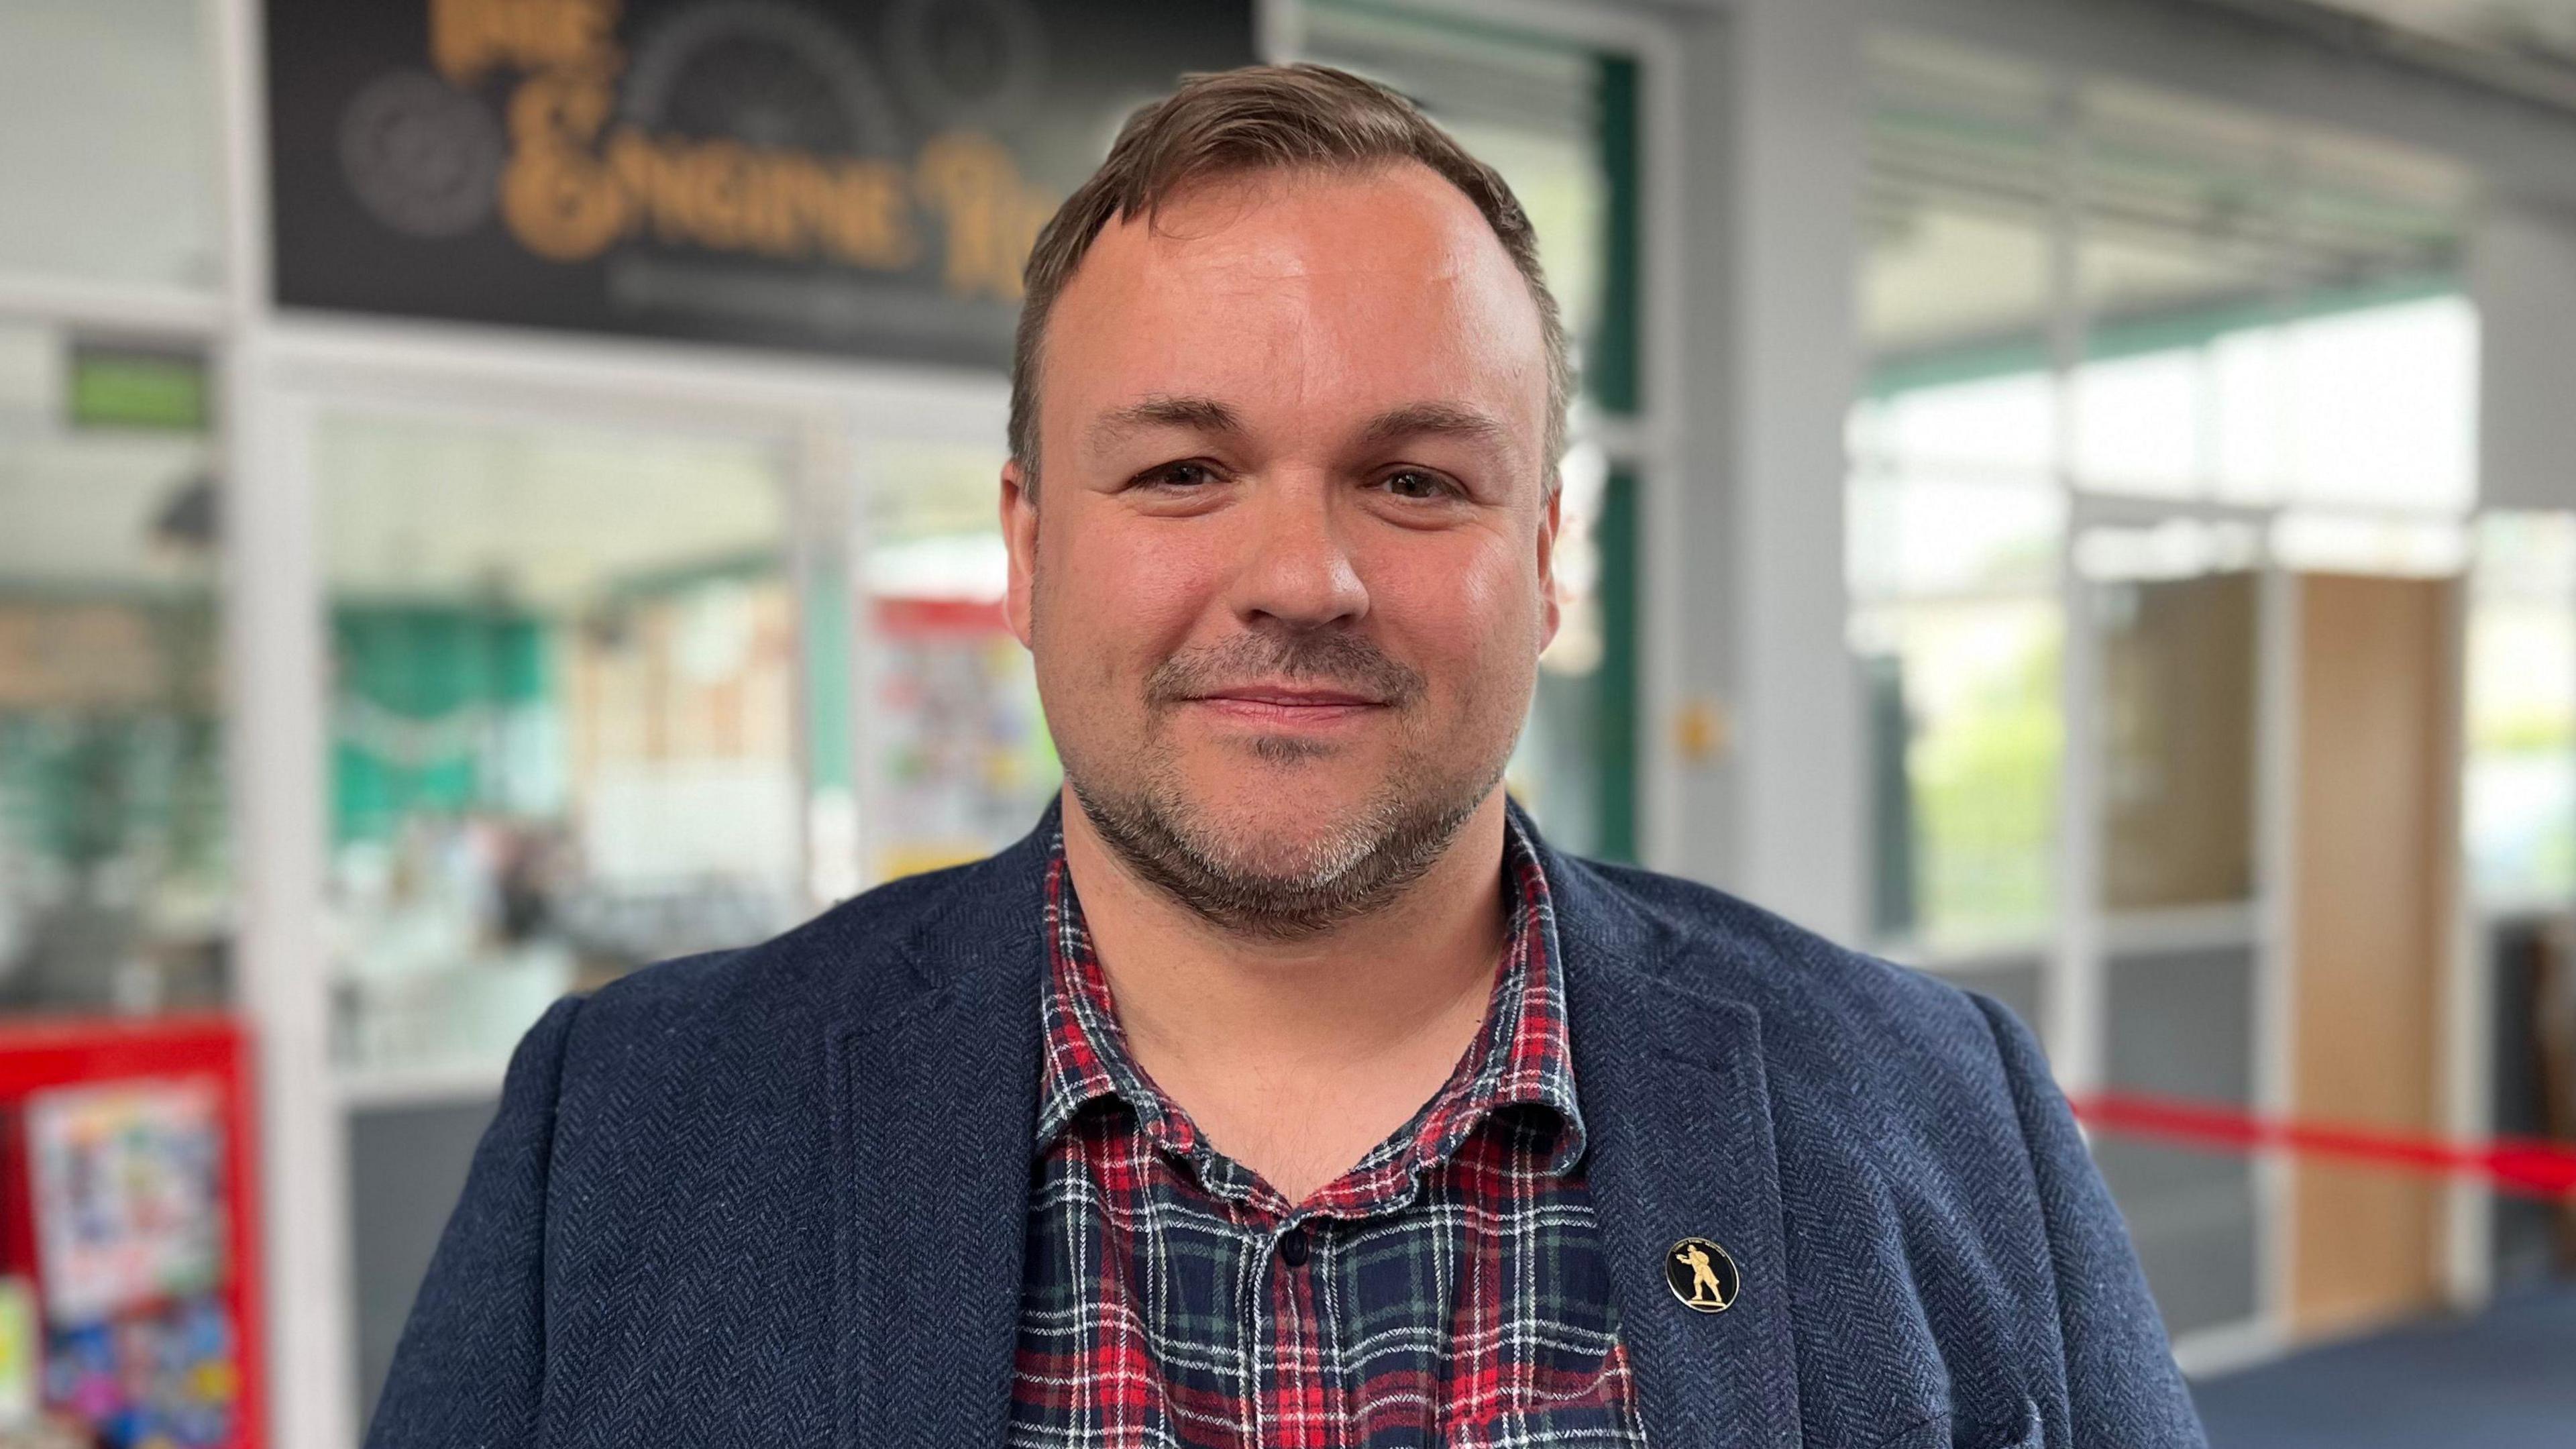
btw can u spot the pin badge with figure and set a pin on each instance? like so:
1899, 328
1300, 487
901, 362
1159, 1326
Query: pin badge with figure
1701, 1275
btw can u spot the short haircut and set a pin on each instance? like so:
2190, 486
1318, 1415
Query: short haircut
1267, 118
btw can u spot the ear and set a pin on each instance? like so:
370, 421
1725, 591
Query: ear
1549, 516
1020, 536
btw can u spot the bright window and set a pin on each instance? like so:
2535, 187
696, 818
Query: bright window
2519, 810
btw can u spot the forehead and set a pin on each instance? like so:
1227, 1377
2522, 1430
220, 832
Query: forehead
1299, 291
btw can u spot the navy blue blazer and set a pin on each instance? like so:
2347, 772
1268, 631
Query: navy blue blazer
777, 1196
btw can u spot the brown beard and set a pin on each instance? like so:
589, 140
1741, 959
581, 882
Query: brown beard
1396, 839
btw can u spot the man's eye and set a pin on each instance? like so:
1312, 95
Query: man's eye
1416, 484
1178, 475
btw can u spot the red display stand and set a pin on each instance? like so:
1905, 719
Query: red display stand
39, 1054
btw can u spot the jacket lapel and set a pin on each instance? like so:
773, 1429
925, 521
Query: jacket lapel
935, 1103
1672, 1087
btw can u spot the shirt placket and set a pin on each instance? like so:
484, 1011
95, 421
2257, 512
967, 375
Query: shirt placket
1298, 1400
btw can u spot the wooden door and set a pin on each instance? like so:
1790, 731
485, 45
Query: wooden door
2377, 792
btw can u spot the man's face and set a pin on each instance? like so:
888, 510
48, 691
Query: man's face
1287, 574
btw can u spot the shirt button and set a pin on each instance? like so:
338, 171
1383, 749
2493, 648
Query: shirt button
1292, 1247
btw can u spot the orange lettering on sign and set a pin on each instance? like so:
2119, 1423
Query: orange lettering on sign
866, 215
992, 218
555, 196
470, 38
727, 197
575, 185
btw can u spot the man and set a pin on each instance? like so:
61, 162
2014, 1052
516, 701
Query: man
1283, 1088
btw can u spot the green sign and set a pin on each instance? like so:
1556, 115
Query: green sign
114, 387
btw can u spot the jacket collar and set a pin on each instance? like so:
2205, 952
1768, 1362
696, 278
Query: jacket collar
935, 1102
933, 1098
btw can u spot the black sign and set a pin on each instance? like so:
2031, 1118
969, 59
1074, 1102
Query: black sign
858, 176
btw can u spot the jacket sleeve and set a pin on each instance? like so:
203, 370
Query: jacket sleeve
2122, 1389
467, 1371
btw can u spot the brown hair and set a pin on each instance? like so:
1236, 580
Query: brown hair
1262, 118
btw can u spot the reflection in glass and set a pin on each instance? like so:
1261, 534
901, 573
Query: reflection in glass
114, 871
565, 738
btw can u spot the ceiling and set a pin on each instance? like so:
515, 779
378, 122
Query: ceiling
2182, 205
2520, 48
2533, 29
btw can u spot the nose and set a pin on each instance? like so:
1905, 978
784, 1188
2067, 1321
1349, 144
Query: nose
1296, 569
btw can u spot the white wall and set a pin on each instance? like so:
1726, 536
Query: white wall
1753, 617
2522, 275
106, 141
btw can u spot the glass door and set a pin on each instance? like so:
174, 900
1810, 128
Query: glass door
564, 712
581, 662
2166, 960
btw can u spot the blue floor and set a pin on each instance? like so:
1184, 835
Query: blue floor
2503, 1380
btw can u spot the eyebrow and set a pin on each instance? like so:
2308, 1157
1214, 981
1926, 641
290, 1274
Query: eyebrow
1195, 414
1437, 419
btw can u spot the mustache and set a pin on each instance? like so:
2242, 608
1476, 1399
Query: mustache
1341, 660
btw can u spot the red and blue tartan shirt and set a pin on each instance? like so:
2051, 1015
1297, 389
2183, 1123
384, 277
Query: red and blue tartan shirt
1449, 1289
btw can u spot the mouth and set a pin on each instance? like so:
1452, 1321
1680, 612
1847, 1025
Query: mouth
1292, 706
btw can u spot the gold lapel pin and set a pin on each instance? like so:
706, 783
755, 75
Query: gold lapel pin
1701, 1275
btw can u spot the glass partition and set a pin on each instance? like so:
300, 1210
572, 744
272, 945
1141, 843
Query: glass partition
565, 715
115, 874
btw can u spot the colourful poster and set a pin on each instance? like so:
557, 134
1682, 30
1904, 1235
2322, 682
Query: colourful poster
128, 1194
169, 1378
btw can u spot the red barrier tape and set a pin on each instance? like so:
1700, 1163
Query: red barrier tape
2521, 1165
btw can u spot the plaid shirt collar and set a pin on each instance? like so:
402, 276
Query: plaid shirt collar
1520, 1056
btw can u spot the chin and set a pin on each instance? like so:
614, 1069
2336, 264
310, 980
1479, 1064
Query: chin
1279, 852
1288, 832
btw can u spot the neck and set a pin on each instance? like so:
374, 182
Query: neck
1295, 1057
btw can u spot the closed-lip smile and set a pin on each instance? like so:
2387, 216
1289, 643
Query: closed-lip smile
1291, 705
1289, 696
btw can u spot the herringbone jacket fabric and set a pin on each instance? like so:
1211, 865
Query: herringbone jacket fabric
778, 1196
